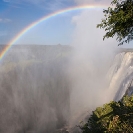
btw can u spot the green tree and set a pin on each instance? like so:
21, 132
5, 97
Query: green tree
118, 21
114, 117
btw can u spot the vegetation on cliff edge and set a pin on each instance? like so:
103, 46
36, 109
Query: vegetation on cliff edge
114, 117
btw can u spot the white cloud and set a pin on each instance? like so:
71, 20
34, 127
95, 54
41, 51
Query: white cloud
101, 2
5, 20
25, 2
3, 33
49, 5
35, 1
6, 0
43, 4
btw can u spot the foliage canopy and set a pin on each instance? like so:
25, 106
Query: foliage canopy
114, 117
118, 21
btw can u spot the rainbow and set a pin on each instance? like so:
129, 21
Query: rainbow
26, 29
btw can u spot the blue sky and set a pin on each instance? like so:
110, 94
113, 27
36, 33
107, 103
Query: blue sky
15, 15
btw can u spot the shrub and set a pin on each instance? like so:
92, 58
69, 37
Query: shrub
114, 117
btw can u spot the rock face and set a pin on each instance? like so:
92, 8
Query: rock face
129, 90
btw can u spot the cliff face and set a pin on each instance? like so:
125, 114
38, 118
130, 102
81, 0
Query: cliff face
121, 75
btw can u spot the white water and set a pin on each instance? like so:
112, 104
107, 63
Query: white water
120, 74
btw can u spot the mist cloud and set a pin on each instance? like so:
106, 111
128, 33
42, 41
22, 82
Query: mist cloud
90, 63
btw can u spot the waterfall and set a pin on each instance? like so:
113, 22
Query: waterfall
120, 75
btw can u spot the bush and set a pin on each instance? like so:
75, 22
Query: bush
114, 117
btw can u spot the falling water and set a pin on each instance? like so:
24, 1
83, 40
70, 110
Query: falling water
121, 74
